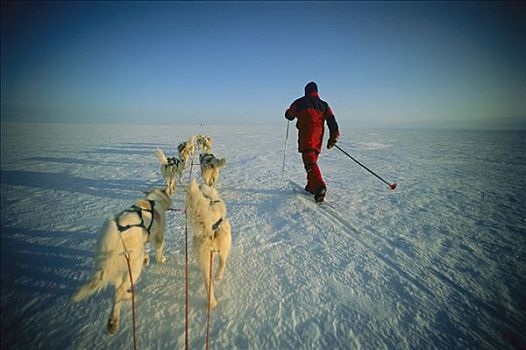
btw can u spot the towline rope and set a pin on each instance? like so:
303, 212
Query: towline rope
176, 209
127, 256
186, 275
186, 337
209, 296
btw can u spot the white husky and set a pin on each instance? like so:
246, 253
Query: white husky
127, 233
211, 230
210, 167
171, 168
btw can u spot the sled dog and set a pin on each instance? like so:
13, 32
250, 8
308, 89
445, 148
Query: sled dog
210, 167
211, 231
186, 150
127, 233
171, 168
204, 143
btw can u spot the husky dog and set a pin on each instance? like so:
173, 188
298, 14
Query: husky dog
126, 234
171, 168
186, 150
211, 231
204, 143
210, 167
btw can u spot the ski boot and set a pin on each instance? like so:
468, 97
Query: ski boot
319, 196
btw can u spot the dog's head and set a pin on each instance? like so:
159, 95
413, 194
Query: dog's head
159, 196
205, 143
208, 160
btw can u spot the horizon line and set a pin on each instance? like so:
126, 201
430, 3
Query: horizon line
274, 124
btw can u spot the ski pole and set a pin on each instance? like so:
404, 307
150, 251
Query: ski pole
391, 186
285, 152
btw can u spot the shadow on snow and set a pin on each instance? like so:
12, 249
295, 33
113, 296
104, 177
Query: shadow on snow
117, 189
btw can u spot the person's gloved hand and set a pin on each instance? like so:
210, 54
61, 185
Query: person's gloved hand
332, 141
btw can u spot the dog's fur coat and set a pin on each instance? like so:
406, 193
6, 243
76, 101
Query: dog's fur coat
111, 264
186, 150
171, 169
210, 167
204, 143
206, 213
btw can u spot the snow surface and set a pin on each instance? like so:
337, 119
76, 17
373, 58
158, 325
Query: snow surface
437, 263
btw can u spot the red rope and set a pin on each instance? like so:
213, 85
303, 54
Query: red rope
176, 209
191, 166
127, 255
186, 269
209, 296
186, 287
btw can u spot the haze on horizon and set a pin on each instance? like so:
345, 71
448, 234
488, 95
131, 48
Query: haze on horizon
378, 64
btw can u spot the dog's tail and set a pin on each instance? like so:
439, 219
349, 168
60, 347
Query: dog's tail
160, 155
107, 268
218, 163
94, 285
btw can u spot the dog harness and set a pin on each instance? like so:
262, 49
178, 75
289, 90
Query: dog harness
206, 157
173, 161
215, 226
182, 146
138, 211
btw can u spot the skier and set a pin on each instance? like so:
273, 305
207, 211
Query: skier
311, 113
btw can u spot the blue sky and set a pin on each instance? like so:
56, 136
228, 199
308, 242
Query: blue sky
392, 64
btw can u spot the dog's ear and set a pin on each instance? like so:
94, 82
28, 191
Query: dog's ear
143, 204
145, 192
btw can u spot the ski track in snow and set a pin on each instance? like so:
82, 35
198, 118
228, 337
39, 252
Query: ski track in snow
432, 277
437, 263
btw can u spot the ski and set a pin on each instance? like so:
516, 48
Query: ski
298, 189
326, 210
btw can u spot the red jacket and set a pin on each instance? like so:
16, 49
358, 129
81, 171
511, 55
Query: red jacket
312, 112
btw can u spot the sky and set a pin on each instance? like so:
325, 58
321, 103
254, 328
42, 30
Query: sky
377, 64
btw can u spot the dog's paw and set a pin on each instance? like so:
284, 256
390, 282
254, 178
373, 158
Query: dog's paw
128, 296
219, 276
213, 304
112, 326
161, 260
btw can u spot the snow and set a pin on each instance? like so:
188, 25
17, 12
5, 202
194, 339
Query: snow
438, 263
